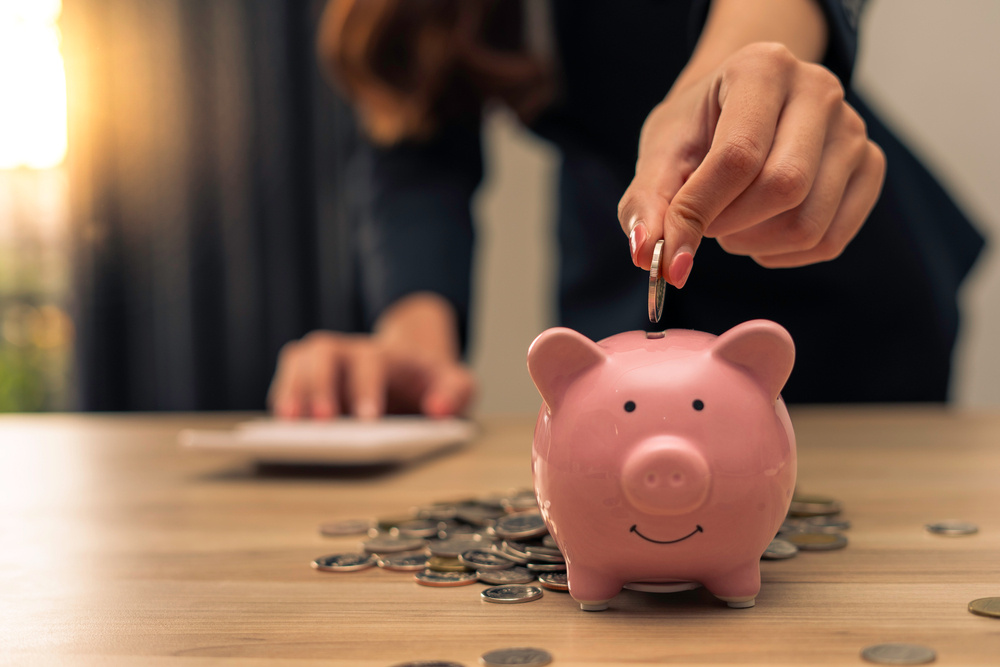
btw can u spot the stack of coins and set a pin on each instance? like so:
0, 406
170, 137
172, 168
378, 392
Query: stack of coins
500, 540
813, 524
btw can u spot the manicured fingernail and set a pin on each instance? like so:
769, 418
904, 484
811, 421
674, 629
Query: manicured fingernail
366, 410
322, 408
287, 409
680, 267
636, 238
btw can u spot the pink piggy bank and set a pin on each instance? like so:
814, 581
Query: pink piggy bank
663, 460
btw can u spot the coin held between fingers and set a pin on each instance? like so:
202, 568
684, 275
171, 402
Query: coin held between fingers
657, 284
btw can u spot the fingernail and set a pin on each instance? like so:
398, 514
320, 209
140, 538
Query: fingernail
366, 410
287, 409
636, 238
680, 266
322, 408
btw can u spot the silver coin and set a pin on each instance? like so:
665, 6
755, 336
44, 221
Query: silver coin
346, 527
779, 550
344, 562
550, 542
388, 544
445, 579
556, 581
520, 501
479, 515
657, 284
511, 594
817, 541
437, 511
827, 524
952, 528
804, 506
521, 526
419, 528
515, 575
898, 654
524, 656
544, 555
480, 559
546, 567
453, 546
405, 562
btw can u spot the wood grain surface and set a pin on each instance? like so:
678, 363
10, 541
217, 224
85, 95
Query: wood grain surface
117, 548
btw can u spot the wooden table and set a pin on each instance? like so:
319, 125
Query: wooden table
116, 548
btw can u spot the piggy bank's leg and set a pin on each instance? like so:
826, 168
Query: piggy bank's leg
591, 588
737, 588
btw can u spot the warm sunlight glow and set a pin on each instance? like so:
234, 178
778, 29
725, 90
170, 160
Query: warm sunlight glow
32, 85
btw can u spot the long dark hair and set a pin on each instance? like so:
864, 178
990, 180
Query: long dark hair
410, 65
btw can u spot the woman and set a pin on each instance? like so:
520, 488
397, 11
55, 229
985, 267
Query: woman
755, 145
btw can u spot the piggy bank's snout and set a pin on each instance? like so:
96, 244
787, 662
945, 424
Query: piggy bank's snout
666, 476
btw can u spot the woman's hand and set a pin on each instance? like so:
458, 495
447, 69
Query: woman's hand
763, 154
409, 365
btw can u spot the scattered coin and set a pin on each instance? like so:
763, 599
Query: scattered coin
779, 549
827, 523
437, 511
520, 501
986, 607
404, 562
550, 542
525, 656
805, 506
390, 522
952, 528
898, 654
515, 575
453, 546
511, 593
387, 544
521, 526
479, 515
445, 564
817, 541
445, 579
419, 528
657, 283
544, 554
344, 562
546, 567
346, 527
556, 581
479, 559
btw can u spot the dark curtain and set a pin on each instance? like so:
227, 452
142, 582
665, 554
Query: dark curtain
207, 160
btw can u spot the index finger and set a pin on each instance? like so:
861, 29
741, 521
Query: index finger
747, 110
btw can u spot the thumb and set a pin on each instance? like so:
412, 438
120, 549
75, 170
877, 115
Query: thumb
450, 392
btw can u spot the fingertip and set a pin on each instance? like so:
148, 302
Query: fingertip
680, 267
637, 239
367, 410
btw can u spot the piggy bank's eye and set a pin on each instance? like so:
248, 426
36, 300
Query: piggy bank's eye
629, 406
698, 405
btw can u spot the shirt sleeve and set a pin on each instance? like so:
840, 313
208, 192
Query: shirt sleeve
842, 17
416, 231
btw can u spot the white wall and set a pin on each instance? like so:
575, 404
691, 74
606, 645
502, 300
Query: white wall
930, 66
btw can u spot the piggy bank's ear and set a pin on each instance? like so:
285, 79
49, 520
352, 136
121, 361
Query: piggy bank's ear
556, 358
764, 348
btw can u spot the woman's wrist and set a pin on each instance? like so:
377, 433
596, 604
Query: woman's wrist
799, 25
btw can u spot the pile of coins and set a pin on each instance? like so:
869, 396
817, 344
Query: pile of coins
500, 540
812, 524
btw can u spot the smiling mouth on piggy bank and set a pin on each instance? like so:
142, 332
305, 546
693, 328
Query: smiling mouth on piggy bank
635, 529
